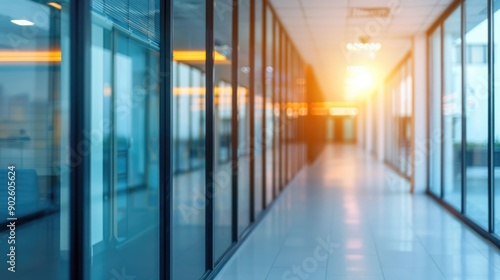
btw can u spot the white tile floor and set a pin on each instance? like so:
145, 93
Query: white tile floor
350, 217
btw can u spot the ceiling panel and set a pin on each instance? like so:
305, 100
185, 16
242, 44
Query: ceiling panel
321, 29
324, 3
290, 12
286, 4
326, 12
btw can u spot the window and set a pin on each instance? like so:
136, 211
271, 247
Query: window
435, 133
476, 110
34, 137
223, 99
243, 118
124, 165
271, 171
259, 164
452, 110
399, 92
188, 142
496, 134
477, 54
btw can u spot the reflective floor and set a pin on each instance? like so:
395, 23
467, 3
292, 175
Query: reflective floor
350, 217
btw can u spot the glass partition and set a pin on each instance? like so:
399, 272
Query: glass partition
271, 171
244, 143
452, 109
128, 93
496, 88
259, 106
223, 99
124, 166
476, 111
188, 140
399, 92
463, 155
34, 139
435, 132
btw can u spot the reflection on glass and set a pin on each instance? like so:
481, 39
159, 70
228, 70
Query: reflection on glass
476, 110
452, 110
34, 137
259, 109
496, 158
435, 112
222, 129
283, 95
188, 140
292, 115
399, 92
124, 167
271, 171
278, 124
287, 112
243, 118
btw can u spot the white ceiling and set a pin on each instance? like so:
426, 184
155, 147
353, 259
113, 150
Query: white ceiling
320, 29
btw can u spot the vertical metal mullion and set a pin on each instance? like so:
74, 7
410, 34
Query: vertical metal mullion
284, 99
113, 147
177, 125
209, 143
429, 110
491, 120
282, 94
165, 129
234, 122
264, 102
189, 116
464, 117
441, 73
273, 97
294, 102
80, 35
278, 102
252, 111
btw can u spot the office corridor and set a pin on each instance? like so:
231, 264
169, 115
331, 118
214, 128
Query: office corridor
348, 216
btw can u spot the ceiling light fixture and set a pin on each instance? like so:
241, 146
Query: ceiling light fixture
363, 47
38, 56
22, 22
55, 5
198, 56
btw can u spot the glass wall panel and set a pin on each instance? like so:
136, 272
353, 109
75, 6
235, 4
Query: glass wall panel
34, 139
452, 109
283, 94
188, 140
271, 171
259, 108
124, 170
278, 122
408, 78
476, 111
289, 114
295, 111
399, 96
243, 116
223, 11
435, 112
496, 159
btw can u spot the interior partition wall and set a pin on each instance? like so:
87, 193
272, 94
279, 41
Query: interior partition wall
144, 138
398, 113
462, 88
